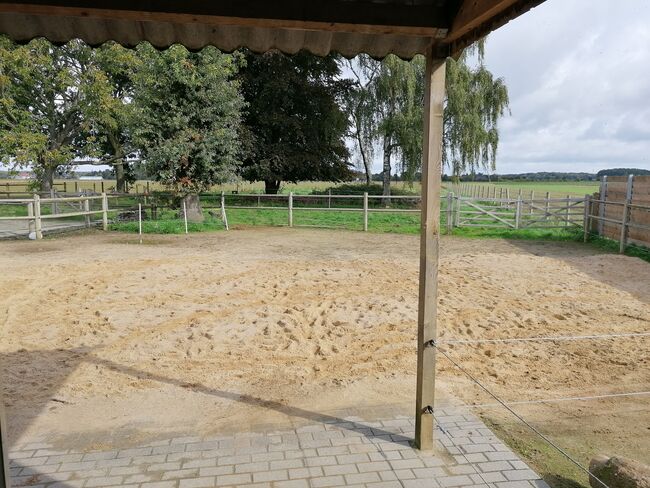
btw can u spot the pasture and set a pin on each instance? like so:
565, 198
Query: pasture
223, 331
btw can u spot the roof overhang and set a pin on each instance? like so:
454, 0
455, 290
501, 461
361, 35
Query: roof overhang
349, 27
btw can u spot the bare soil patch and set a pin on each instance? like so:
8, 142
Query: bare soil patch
107, 342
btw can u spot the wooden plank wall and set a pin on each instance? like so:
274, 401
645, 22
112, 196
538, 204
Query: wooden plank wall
615, 191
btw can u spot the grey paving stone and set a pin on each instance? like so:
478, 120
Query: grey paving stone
217, 470
103, 481
327, 481
180, 474
423, 473
373, 466
199, 463
362, 478
287, 463
33, 461
520, 474
234, 479
320, 461
340, 469
21, 454
385, 484
252, 467
159, 484
206, 482
64, 458
84, 465
138, 451
126, 470
495, 466
311, 472
164, 466
407, 463
138, 478
353, 458
447, 481
273, 475
96, 456
291, 484
514, 484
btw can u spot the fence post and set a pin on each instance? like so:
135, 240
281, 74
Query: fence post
365, 211
626, 212
140, 221
290, 209
548, 204
76, 187
518, 212
38, 223
601, 205
587, 218
329, 198
30, 213
104, 211
532, 201
457, 218
224, 217
65, 187
568, 211
185, 215
55, 207
450, 214
86, 210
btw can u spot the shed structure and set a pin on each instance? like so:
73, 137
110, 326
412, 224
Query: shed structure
434, 28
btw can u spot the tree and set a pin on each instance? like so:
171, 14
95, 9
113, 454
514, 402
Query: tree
475, 102
188, 108
112, 110
392, 115
295, 124
45, 91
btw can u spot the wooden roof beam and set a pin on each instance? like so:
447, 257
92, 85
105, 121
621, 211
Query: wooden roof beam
364, 17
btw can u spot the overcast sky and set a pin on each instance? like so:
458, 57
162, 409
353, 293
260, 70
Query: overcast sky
578, 72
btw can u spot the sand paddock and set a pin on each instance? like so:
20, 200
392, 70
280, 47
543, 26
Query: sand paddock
107, 342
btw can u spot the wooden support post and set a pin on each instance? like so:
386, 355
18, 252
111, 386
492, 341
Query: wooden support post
626, 214
103, 186
457, 218
65, 187
76, 187
329, 198
429, 242
508, 197
518, 212
38, 223
290, 209
147, 187
601, 205
4, 449
55, 207
587, 218
104, 212
87, 209
365, 211
532, 201
548, 204
450, 213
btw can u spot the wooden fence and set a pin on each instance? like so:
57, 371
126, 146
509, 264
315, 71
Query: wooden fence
621, 210
36, 214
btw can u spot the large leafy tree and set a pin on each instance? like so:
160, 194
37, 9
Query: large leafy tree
390, 115
188, 110
111, 111
45, 96
295, 124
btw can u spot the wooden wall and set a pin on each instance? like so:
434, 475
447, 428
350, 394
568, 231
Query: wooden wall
615, 190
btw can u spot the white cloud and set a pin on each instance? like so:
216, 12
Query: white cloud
578, 72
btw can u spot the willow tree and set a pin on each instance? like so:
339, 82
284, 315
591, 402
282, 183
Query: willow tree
387, 112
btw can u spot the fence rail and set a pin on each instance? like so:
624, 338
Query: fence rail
623, 220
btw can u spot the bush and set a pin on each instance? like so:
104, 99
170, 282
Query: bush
360, 189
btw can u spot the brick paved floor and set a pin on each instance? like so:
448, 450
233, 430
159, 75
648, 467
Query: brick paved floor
337, 452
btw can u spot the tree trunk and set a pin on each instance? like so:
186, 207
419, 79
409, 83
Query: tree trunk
47, 181
120, 177
388, 148
364, 158
272, 187
193, 207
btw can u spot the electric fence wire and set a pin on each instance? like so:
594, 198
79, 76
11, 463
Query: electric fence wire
544, 338
519, 417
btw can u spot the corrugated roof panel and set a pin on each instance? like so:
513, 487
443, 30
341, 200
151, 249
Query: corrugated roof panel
95, 31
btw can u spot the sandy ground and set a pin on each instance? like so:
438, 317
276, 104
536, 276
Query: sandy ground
107, 342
